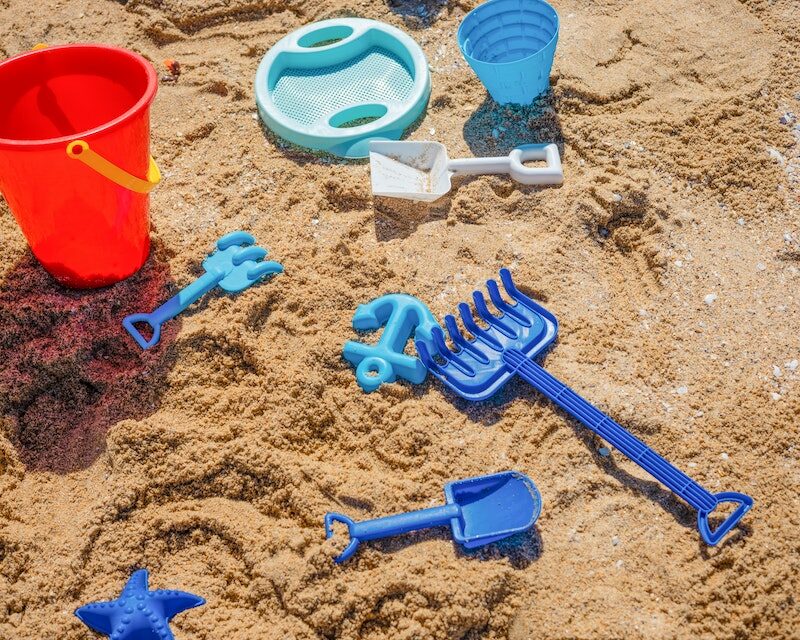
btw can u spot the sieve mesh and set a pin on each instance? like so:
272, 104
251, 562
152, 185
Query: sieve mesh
312, 96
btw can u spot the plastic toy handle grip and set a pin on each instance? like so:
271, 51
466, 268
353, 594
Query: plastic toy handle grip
745, 503
514, 165
330, 518
130, 326
610, 431
551, 174
390, 525
80, 150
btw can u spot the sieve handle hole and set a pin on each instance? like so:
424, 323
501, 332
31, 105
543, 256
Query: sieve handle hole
358, 116
325, 37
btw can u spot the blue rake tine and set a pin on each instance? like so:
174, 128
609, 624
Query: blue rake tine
250, 253
427, 359
438, 340
461, 342
237, 237
483, 312
475, 330
264, 269
511, 289
503, 306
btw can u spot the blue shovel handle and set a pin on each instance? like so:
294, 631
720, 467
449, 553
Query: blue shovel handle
613, 433
390, 525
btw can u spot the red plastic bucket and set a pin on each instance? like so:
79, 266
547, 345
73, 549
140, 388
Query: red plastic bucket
75, 165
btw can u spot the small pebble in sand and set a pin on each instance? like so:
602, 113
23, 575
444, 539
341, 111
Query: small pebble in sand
740, 222
791, 365
433, 131
776, 396
679, 263
709, 299
572, 536
776, 155
615, 541
761, 266
682, 391
692, 465
617, 197
604, 451
776, 371
618, 564
788, 118
723, 455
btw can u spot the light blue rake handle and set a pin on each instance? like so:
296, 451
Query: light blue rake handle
613, 433
170, 309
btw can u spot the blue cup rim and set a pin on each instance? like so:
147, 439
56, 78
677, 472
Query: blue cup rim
472, 14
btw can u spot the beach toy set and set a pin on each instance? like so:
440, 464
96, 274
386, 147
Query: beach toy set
477, 368
76, 171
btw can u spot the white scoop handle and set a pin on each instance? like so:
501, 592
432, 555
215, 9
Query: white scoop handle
514, 165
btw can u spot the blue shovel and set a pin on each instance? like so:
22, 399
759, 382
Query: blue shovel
478, 368
479, 511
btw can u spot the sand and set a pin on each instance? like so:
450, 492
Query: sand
671, 256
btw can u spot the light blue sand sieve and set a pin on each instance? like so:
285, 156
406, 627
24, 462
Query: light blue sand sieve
335, 85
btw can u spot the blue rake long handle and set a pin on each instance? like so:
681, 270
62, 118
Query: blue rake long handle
665, 472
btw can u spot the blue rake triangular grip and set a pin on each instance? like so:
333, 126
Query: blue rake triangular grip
522, 330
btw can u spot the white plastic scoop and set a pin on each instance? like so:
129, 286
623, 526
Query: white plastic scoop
422, 171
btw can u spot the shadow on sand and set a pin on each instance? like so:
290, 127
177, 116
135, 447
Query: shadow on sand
70, 371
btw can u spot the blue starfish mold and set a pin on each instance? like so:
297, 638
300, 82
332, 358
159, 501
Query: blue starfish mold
138, 613
404, 316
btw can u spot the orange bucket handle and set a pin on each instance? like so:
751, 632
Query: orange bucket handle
80, 150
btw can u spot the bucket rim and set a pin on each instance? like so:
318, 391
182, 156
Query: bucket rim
474, 15
147, 98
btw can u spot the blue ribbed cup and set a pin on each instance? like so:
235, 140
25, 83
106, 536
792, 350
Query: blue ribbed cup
510, 44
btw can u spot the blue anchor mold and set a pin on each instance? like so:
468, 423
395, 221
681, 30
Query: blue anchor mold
404, 316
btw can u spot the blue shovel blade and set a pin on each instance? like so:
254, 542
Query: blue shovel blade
493, 507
